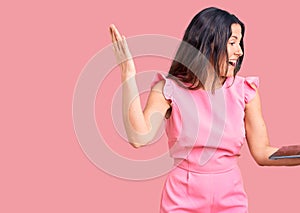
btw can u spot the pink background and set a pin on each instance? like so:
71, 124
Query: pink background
44, 47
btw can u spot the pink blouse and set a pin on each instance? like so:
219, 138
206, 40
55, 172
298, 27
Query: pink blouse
206, 131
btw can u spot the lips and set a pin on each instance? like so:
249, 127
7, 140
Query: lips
232, 62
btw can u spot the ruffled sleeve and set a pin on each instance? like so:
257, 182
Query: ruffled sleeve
168, 87
248, 88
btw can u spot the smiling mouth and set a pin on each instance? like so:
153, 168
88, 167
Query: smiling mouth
232, 63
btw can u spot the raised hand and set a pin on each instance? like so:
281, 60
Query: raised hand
122, 53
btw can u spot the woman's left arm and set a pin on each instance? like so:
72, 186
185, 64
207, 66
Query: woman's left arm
257, 136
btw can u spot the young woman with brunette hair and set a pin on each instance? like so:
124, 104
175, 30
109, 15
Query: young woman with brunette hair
209, 112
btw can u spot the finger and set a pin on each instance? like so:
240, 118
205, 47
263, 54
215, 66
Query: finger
111, 27
116, 33
116, 43
113, 39
113, 33
117, 37
125, 48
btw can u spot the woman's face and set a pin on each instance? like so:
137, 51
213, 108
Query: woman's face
234, 50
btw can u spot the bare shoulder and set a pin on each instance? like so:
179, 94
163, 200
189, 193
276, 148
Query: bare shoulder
157, 100
253, 107
159, 86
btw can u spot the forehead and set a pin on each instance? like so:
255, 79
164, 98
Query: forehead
236, 30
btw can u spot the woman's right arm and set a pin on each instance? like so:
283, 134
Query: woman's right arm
141, 125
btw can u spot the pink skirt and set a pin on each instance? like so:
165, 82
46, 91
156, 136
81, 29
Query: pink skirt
190, 191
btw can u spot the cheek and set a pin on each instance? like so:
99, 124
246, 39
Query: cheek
223, 69
229, 51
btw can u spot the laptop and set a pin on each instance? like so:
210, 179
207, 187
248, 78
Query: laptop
285, 152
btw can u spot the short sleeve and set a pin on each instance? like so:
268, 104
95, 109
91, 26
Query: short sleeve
248, 88
168, 87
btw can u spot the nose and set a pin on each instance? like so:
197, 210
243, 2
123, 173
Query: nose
239, 51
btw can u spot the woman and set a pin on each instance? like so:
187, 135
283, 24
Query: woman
209, 112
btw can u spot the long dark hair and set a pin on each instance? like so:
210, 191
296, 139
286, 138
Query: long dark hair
203, 49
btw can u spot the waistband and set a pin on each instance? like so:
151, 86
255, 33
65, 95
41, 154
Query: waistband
210, 168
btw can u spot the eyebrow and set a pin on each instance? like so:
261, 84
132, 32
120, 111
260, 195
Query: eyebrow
236, 37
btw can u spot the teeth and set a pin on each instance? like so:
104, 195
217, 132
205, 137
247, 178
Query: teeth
232, 63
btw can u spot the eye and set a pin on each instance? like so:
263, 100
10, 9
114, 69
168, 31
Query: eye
232, 43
